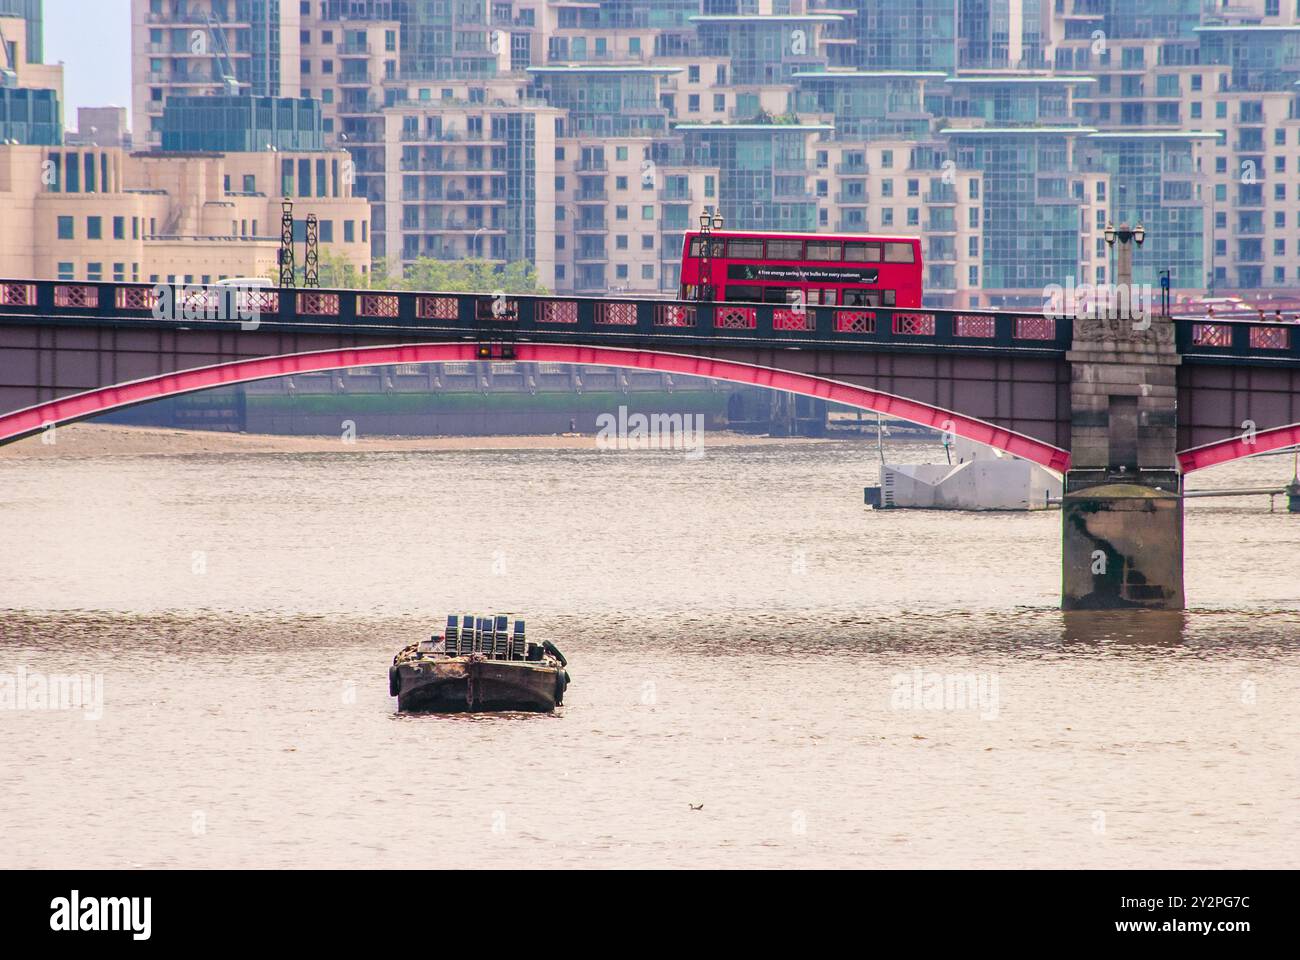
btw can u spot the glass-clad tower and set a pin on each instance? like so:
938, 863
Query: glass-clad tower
31, 11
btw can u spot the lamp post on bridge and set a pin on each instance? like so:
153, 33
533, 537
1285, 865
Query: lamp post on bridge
1124, 256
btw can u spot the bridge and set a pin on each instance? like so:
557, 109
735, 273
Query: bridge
1123, 408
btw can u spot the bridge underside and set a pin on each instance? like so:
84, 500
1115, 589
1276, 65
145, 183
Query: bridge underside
1227, 411
1227, 407
1025, 396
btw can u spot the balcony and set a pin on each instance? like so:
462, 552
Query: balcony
354, 49
941, 195
851, 169
852, 199
471, 196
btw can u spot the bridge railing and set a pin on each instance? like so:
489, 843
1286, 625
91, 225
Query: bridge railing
614, 319
1210, 337
476, 315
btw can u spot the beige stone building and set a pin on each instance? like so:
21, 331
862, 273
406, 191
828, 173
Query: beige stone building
83, 210
100, 213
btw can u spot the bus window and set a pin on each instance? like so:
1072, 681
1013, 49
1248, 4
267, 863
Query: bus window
898, 253
823, 250
785, 249
779, 294
813, 296
697, 248
861, 298
744, 294
859, 252
828, 297
745, 249
891, 298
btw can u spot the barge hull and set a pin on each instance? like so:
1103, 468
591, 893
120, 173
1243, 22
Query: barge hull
459, 685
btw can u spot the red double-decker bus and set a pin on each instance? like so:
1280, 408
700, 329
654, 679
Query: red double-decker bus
816, 269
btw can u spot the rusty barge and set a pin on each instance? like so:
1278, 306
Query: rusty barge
478, 664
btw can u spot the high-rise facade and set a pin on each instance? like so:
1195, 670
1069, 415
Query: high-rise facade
196, 47
32, 12
588, 137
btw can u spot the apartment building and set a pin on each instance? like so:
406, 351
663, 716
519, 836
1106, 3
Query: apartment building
1006, 133
191, 47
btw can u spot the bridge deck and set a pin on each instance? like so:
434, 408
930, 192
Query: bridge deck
614, 321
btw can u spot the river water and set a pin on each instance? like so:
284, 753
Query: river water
742, 635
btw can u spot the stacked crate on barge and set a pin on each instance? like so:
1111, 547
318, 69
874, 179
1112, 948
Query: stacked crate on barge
489, 636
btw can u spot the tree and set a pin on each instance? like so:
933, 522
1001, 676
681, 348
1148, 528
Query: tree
339, 273
472, 275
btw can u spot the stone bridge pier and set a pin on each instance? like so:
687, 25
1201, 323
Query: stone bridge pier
1122, 513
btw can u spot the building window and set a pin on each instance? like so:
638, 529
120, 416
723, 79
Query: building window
349, 231
647, 271
647, 212
327, 231
94, 271
66, 271
119, 228
66, 231
119, 272
94, 228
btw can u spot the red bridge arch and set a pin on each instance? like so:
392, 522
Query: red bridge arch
81, 406
1235, 448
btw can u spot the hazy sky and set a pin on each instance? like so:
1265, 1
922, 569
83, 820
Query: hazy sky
93, 39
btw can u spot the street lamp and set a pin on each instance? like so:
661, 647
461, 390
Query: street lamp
710, 220
1123, 235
